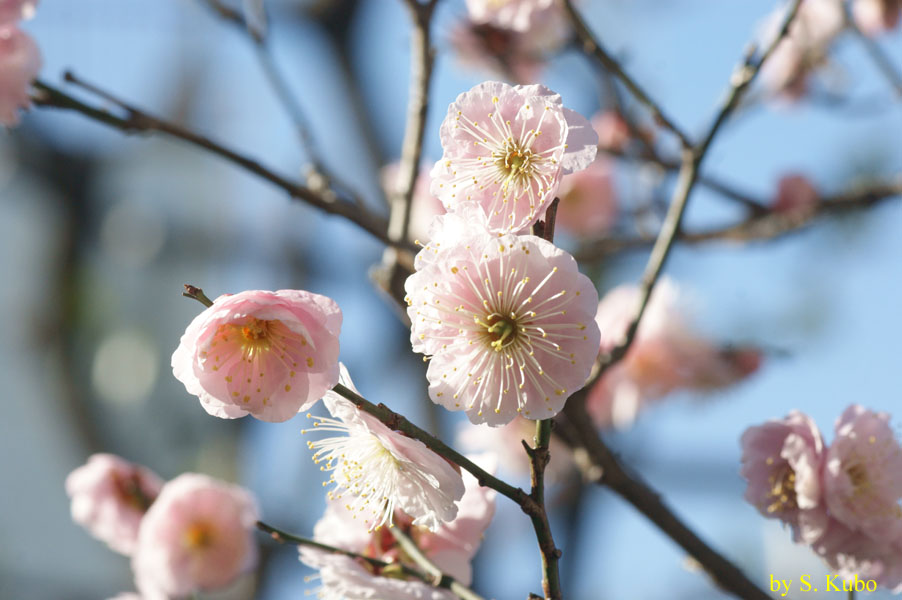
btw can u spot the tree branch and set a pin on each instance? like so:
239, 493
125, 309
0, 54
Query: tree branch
399, 422
592, 46
422, 57
135, 121
538, 460
767, 226
644, 499
692, 159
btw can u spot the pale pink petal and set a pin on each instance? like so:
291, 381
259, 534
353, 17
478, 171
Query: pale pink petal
110, 497
15, 10
862, 482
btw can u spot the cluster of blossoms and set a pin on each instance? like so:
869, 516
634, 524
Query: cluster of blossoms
665, 356
451, 546
505, 317
190, 534
811, 36
20, 59
842, 500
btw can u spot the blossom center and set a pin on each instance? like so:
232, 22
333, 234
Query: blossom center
857, 475
500, 331
198, 536
515, 162
782, 491
255, 336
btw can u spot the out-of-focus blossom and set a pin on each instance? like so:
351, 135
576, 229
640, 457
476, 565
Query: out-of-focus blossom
519, 15
451, 548
850, 554
424, 206
876, 16
20, 61
12, 11
511, 54
126, 596
197, 536
508, 324
506, 148
782, 461
613, 132
795, 194
110, 497
863, 475
588, 201
664, 356
268, 354
805, 47
383, 470
506, 443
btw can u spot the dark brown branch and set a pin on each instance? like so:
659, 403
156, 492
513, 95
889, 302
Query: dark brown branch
398, 422
644, 499
135, 121
592, 46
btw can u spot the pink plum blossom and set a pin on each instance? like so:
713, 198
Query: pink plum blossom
507, 322
197, 536
877, 16
795, 194
12, 11
268, 354
782, 461
110, 497
516, 55
666, 355
424, 206
863, 475
519, 15
588, 200
451, 547
805, 47
20, 61
383, 470
506, 148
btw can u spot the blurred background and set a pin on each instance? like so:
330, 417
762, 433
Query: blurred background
98, 233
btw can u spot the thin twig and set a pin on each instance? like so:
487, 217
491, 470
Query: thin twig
648, 502
439, 579
195, 293
881, 60
692, 159
723, 188
591, 45
137, 121
767, 226
422, 56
